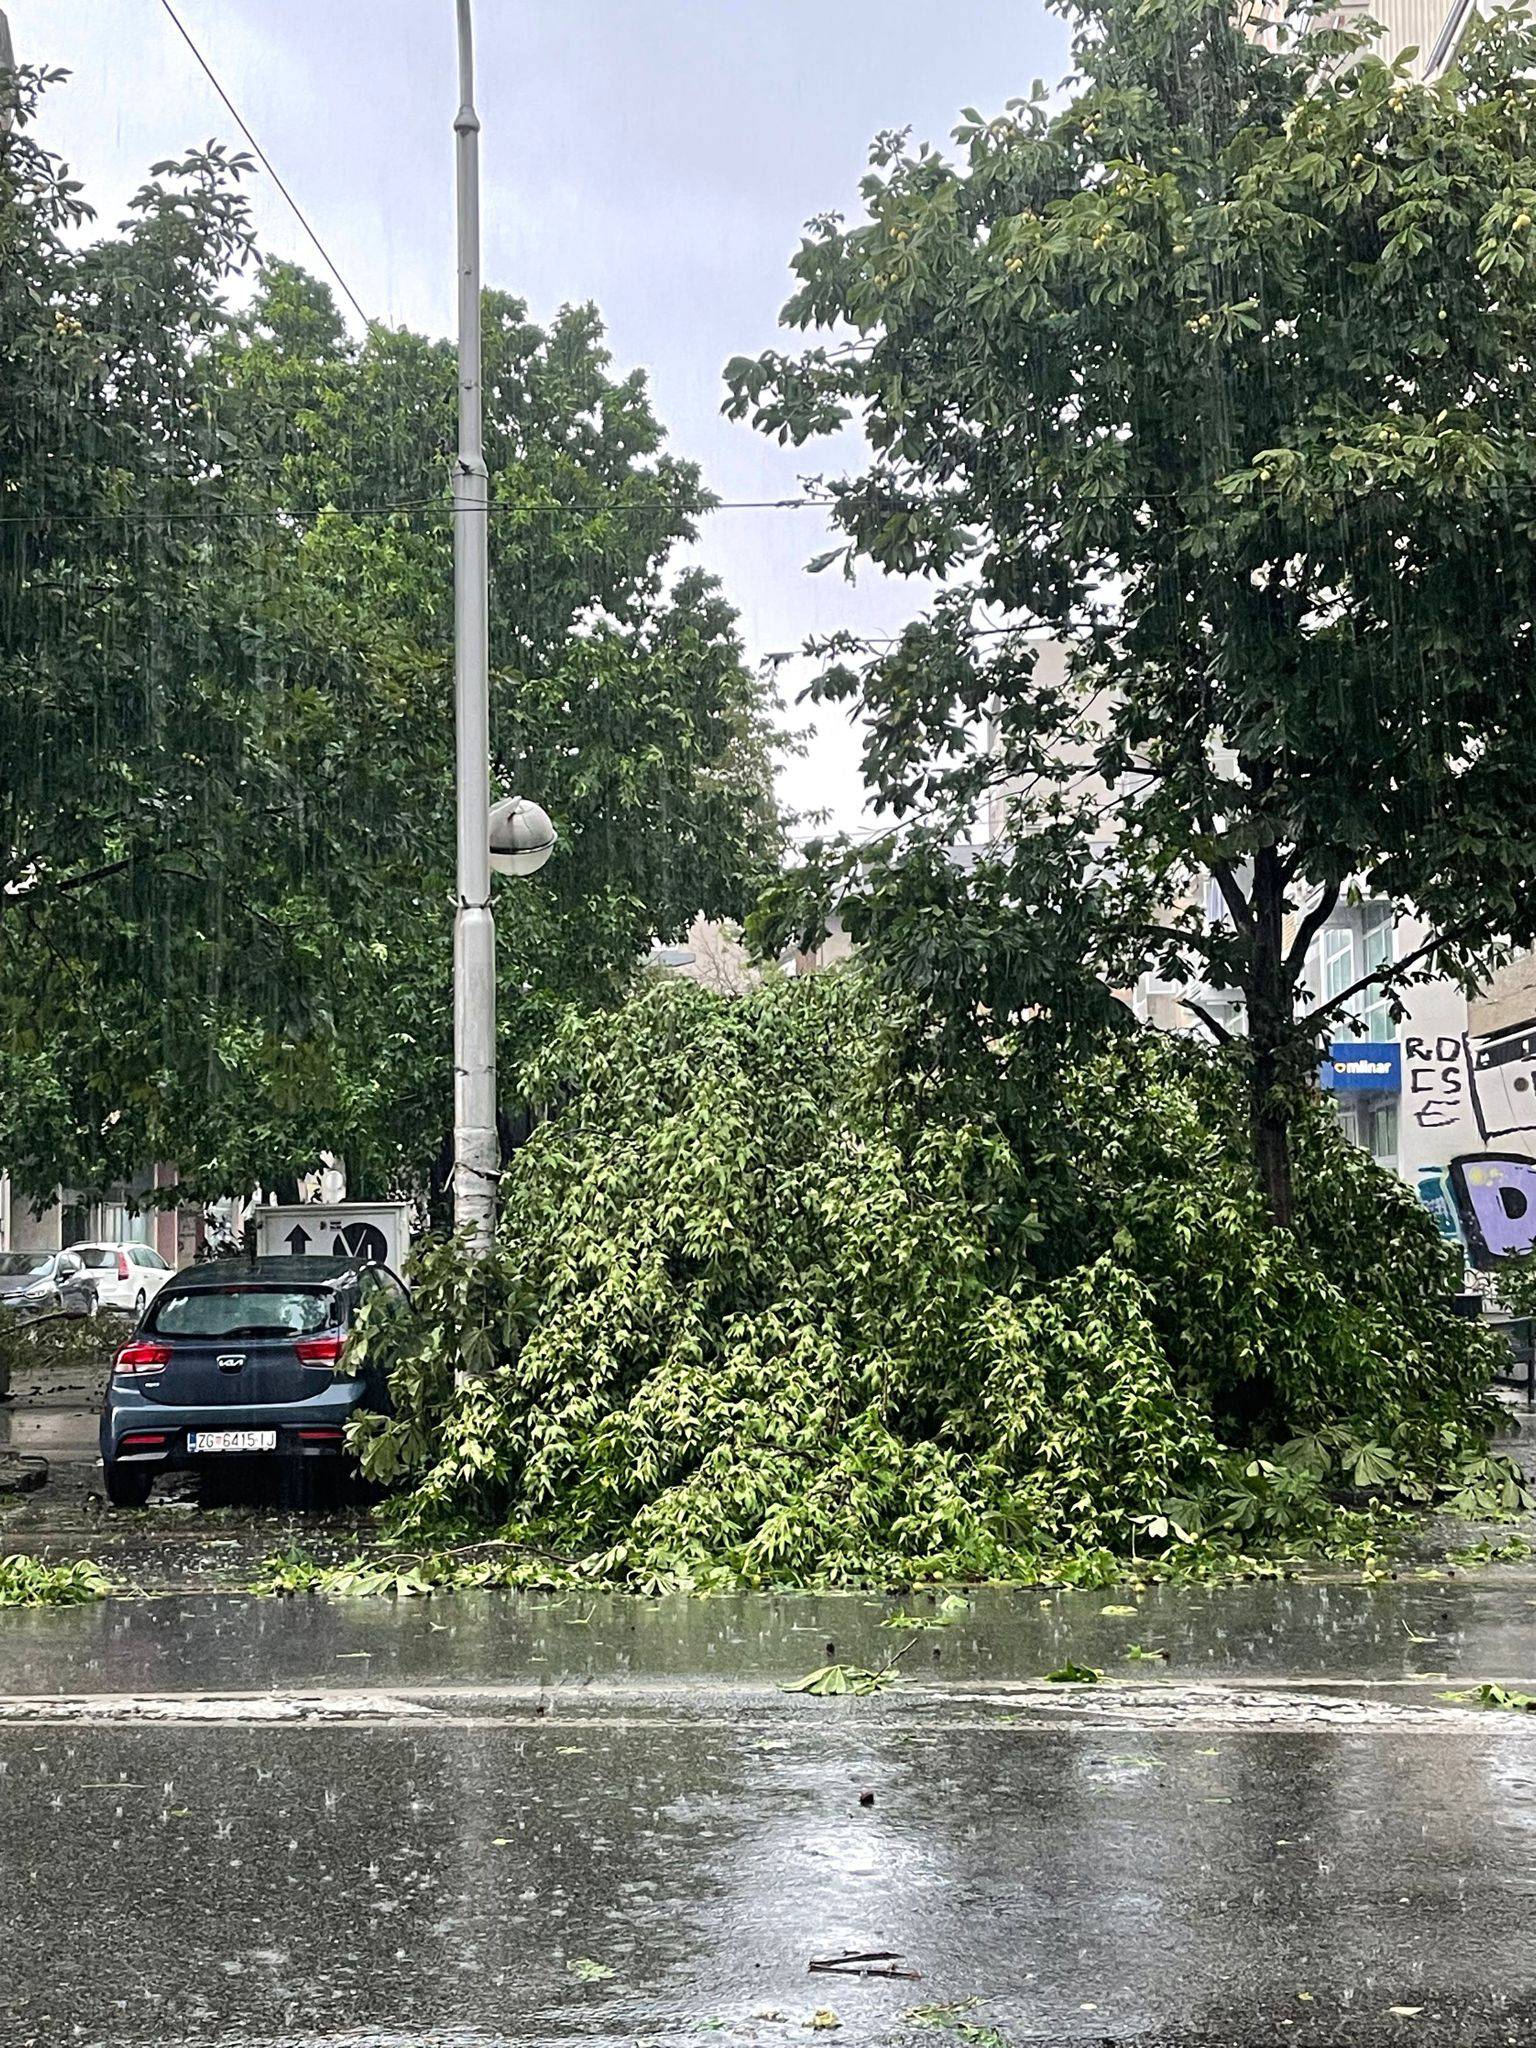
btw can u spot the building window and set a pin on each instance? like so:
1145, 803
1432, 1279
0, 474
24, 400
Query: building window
1338, 960
1373, 1127
1379, 1131
1376, 951
121, 1224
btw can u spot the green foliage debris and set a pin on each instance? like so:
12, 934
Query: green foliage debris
36, 1582
56, 1342
769, 1306
840, 1678
410, 1576
586, 1971
952, 1608
1503, 1696
1513, 1550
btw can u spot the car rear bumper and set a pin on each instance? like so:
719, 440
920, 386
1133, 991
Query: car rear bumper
136, 1431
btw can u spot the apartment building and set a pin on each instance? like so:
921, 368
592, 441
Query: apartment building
130, 1214
1431, 28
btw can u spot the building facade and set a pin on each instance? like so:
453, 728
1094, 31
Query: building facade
1430, 28
135, 1213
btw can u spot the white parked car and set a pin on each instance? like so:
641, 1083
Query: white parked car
126, 1276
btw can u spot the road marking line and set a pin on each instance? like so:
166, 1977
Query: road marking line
182, 1707
1012, 1710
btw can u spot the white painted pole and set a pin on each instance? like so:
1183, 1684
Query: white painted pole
476, 1153
7, 63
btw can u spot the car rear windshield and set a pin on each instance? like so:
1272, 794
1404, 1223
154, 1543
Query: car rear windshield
95, 1255
12, 1263
244, 1312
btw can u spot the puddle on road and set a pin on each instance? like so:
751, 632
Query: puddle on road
1427, 1633
57, 1432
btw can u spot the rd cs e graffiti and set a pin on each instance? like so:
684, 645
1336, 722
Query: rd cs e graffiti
1436, 1079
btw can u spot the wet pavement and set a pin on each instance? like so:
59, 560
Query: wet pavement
1420, 1634
503, 1818
500, 1819
623, 1879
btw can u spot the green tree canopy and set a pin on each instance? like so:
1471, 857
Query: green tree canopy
226, 808
1222, 372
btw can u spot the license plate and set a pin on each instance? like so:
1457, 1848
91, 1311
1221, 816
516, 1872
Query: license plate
231, 1439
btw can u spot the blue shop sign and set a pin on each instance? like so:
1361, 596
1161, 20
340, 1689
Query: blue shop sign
1364, 1063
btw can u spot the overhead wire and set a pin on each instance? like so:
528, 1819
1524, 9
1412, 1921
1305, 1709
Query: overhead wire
267, 164
389, 509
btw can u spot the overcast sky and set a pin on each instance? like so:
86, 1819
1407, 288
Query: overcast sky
656, 156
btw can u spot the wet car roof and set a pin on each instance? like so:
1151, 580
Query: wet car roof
282, 1272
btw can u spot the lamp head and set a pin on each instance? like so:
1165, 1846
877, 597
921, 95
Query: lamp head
522, 837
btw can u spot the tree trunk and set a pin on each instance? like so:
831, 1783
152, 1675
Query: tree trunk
1271, 1144
1271, 998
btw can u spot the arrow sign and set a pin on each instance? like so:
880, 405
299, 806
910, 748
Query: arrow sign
377, 1231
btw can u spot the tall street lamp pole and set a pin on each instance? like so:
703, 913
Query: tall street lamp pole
476, 1154
7, 63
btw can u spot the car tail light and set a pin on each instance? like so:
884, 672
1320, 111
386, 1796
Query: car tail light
141, 1358
122, 1265
141, 1438
319, 1350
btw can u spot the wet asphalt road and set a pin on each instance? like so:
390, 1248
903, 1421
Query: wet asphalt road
398, 1881
225, 1820
497, 1819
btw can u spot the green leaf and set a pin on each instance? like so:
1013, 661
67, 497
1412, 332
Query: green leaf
585, 1971
841, 1678
1502, 1696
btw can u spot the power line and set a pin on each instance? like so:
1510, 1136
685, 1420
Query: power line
266, 161
281, 514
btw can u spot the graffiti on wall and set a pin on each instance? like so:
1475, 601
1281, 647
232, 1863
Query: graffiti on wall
1484, 1200
1434, 1086
1502, 1069
1495, 1195
1439, 1198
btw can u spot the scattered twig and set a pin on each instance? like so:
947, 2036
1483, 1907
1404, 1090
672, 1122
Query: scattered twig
877, 1962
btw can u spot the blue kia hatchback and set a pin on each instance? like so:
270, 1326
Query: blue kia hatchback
238, 1361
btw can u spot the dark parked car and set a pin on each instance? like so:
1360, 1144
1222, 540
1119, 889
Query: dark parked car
237, 1360
45, 1284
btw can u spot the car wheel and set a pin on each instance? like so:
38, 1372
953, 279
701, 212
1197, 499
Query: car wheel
92, 1302
138, 1306
128, 1485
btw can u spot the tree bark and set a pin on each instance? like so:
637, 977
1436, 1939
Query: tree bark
1271, 997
